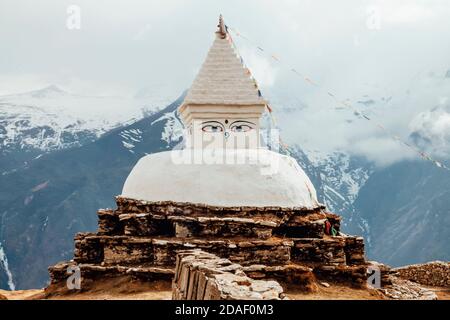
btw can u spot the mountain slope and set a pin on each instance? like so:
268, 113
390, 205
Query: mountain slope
40, 121
337, 177
5, 273
407, 206
401, 210
58, 194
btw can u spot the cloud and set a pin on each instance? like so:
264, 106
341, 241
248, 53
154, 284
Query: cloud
431, 130
383, 151
402, 12
262, 70
142, 32
326, 125
124, 46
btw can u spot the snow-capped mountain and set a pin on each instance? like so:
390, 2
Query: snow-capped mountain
339, 177
36, 122
51, 118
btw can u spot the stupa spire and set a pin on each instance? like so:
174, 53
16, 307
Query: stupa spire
222, 80
223, 103
222, 30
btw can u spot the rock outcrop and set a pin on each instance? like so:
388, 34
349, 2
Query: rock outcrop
400, 289
204, 276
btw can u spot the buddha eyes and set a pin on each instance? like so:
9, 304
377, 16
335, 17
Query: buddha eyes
236, 126
212, 128
241, 128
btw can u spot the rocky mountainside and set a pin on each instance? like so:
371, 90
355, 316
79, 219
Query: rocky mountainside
56, 195
401, 210
407, 206
338, 177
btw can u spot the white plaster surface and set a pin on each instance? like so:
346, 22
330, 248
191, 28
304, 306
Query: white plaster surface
242, 177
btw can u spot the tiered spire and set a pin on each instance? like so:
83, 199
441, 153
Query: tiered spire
223, 79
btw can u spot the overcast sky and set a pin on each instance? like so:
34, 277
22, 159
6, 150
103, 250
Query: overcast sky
359, 50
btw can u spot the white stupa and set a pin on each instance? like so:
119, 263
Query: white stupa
223, 163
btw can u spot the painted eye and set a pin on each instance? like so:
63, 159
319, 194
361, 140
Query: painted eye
241, 128
212, 128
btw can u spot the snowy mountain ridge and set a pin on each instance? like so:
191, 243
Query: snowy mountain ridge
51, 118
338, 176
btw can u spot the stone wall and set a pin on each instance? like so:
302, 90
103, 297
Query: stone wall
327, 250
436, 273
161, 251
175, 219
91, 272
271, 243
204, 276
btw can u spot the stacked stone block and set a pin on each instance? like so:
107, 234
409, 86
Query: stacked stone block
286, 244
204, 276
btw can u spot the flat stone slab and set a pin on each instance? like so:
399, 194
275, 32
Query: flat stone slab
162, 250
59, 272
204, 276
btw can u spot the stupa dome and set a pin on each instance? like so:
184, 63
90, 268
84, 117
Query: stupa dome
229, 178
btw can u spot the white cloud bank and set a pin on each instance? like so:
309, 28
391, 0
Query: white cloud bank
431, 130
379, 54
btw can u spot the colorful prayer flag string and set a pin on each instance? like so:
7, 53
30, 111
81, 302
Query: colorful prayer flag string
248, 72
